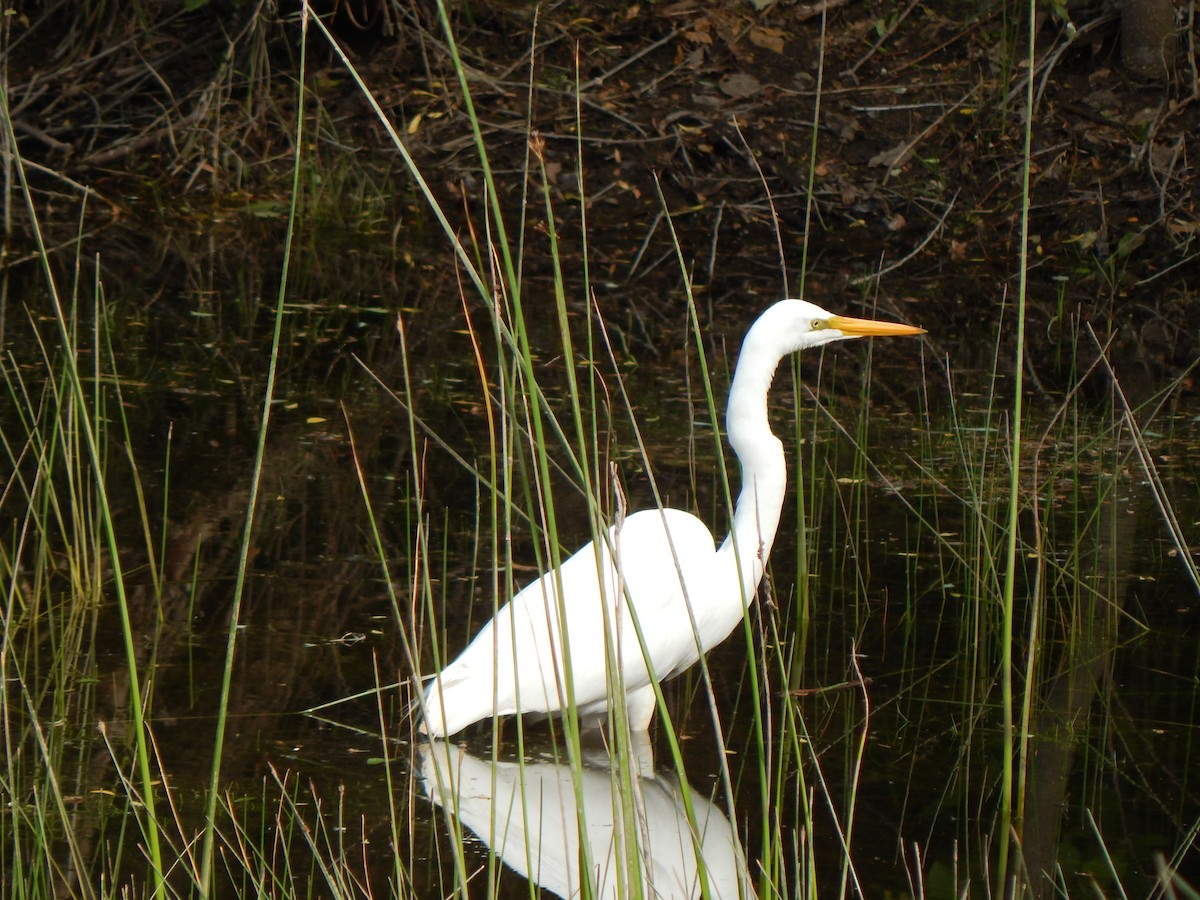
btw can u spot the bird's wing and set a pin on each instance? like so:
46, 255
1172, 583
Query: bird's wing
662, 562
665, 559
518, 661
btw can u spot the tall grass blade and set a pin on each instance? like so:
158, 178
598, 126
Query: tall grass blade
1016, 745
88, 432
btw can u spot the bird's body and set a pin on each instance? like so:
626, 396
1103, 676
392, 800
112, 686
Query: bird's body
517, 662
658, 572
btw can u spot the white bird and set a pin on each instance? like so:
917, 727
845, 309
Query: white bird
657, 572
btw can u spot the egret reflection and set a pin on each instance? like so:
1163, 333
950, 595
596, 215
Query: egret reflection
637, 833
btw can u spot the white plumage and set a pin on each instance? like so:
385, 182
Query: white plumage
687, 595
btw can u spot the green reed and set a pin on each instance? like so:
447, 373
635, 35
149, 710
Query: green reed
77, 430
1016, 714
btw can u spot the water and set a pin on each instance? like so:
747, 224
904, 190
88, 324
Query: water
889, 576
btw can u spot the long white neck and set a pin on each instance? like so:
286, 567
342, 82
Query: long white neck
764, 471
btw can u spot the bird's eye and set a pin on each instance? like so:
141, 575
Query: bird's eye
818, 324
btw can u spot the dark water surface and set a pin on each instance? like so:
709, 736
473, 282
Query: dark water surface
898, 556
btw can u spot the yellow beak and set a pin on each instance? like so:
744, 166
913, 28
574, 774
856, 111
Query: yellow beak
869, 327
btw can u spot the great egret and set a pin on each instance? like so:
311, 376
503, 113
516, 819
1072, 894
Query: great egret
657, 572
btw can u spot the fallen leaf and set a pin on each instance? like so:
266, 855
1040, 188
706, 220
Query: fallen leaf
772, 39
739, 85
1084, 241
889, 159
1130, 242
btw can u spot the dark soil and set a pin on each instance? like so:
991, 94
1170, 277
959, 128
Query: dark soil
704, 110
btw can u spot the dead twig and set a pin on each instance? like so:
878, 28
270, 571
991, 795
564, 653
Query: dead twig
148, 138
1047, 63
852, 72
37, 134
875, 276
604, 76
928, 130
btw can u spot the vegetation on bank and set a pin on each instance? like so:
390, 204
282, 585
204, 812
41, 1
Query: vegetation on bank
184, 117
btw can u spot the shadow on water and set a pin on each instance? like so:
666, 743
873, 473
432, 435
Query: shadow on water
879, 599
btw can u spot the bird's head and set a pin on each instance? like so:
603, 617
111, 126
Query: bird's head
798, 325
